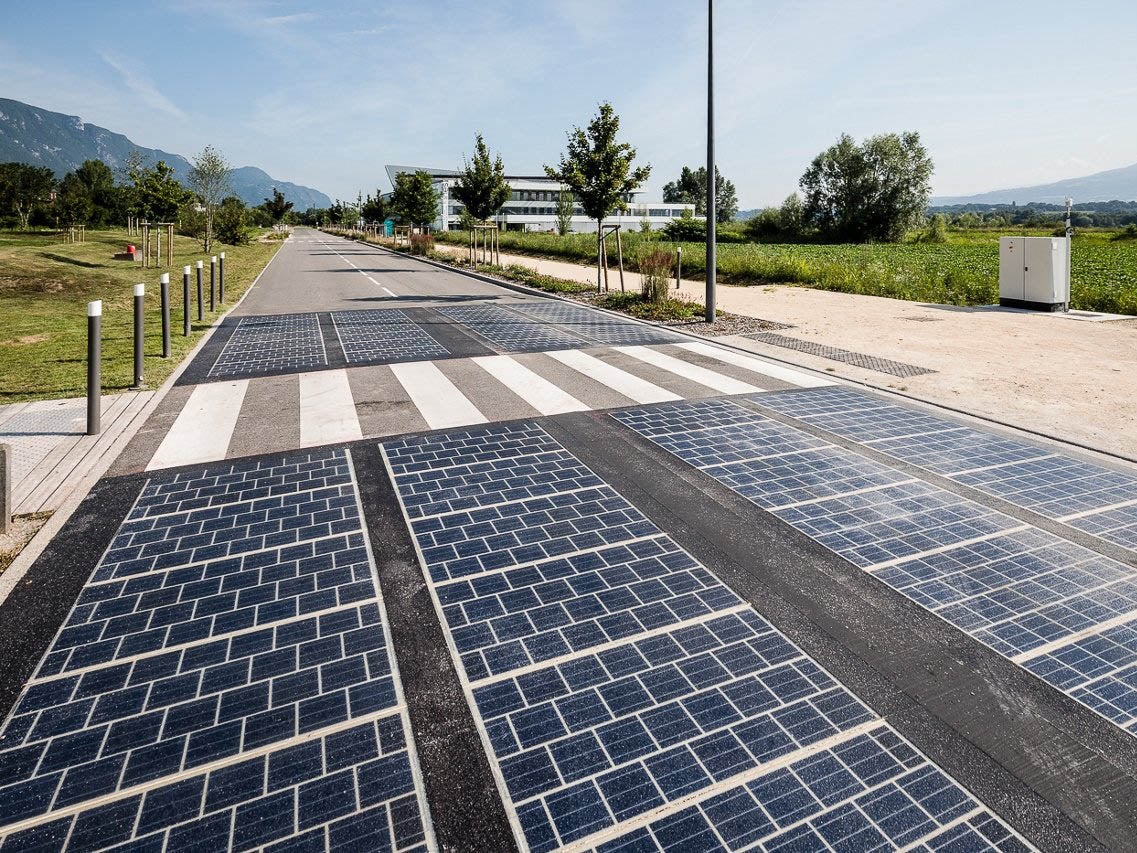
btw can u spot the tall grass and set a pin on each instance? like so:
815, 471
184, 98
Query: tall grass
964, 271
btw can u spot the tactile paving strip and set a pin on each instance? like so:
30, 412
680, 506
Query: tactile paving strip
370, 337
269, 343
630, 701
857, 359
1059, 609
224, 679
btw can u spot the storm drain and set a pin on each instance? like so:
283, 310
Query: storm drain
857, 359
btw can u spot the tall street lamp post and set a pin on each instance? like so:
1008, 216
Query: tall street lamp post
712, 267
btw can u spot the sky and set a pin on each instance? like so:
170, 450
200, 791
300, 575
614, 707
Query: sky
1003, 94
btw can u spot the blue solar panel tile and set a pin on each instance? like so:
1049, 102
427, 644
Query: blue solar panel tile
508, 331
270, 343
663, 683
385, 335
1118, 525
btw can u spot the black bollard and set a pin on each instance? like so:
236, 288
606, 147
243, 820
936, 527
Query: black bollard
164, 284
200, 300
94, 367
221, 276
185, 301
139, 331
213, 284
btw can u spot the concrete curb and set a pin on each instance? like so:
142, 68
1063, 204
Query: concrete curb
24, 560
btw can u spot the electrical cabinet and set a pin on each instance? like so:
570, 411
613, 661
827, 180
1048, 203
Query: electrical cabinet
1032, 273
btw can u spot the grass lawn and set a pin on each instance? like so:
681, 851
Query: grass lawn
45, 286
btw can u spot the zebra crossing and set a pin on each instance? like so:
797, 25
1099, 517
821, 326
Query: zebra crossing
346, 404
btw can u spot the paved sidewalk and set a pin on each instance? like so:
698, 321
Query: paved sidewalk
1072, 380
51, 451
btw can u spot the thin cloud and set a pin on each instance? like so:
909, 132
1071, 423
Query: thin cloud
141, 86
282, 20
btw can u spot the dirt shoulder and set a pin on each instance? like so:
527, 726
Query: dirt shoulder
1066, 378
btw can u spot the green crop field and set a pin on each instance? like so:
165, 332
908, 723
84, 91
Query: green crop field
44, 289
963, 271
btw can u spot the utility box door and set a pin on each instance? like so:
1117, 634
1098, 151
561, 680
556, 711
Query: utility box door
1012, 268
1045, 270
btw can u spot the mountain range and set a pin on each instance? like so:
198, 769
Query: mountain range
1111, 185
61, 142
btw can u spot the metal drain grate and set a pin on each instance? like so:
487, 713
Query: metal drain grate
857, 359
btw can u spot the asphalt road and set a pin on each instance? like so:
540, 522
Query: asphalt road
408, 560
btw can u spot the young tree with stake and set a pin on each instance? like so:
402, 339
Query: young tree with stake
209, 179
598, 170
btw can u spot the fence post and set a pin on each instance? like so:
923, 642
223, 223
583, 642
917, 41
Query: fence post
164, 284
185, 301
139, 332
221, 276
213, 284
200, 293
5, 488
678, 266
94, 367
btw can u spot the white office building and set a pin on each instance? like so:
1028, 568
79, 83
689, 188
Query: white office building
533, 205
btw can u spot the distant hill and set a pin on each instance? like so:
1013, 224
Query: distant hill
1114, 184
42, 138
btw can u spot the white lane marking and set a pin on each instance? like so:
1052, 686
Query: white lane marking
327, 409
620, 381
717, 381
774, 371
438, 400
389, 291
204, 426
534, 389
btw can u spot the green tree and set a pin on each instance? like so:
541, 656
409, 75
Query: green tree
73, 203
231, 222
158, 194
598, 170
874, 192
24, 189
276, 207
481, 187
415, 200
566, 206
209, 179
374, 208
691, 188
791, 217
97, 181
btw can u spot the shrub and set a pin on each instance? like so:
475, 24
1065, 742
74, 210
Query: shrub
422, 244
655, 273
229, 222
936, 232
1130, 233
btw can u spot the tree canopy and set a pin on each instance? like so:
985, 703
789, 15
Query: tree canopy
374, 209
415, 200
209, 179
691, 188
276, 207
481, 186
23, 189
157, 193
869, 193
598, 169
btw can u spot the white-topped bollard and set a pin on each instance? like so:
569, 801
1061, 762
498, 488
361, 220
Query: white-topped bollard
221, 276
213, 284
200, 294
94, 367
164, 284
185, 301
139, 332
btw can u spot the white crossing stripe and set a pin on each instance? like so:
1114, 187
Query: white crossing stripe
531, 387
631, 386
327, 409
204, 427
439, 402
717, 381
774, 371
